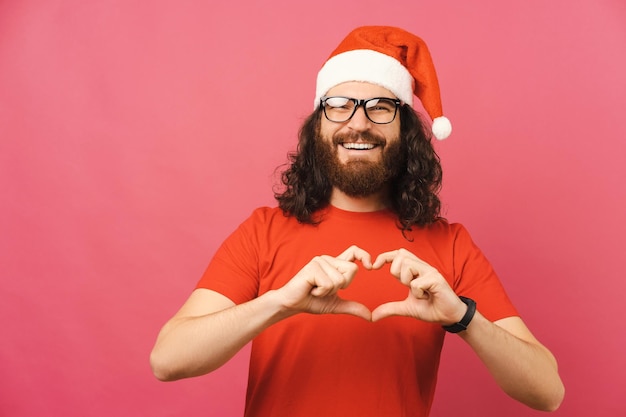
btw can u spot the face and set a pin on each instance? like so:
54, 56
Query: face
359, 156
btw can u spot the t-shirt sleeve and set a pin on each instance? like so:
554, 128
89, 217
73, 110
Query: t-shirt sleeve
234, 269
475, 278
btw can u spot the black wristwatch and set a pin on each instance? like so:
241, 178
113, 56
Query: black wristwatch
465, 321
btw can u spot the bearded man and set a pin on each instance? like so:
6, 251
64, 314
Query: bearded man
347, 288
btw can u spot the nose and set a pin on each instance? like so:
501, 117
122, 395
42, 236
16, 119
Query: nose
359, 120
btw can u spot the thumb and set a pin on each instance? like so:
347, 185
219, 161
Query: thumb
353, 308
395, 308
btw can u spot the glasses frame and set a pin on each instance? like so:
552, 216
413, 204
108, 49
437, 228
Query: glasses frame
361, 103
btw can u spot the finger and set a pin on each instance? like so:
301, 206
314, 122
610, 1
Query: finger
423, 286
384, 258
419, 292
394, 256
319, 280
347, 269
408, 272
329, 275
325, 286
355, 253
402, 267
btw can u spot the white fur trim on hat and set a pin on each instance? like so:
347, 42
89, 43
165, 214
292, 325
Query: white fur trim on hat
367, 66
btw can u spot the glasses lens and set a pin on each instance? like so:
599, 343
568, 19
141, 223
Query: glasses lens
381, 110
338, 109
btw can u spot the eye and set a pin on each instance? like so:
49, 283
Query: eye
381, 105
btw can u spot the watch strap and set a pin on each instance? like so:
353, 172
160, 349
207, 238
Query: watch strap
467, 318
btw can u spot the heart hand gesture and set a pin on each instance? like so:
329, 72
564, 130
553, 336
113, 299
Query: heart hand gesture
314, 288
430, 297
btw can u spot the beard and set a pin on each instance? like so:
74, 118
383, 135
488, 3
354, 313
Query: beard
360, 177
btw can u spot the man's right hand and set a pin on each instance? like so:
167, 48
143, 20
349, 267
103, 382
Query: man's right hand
209, 329
314, 288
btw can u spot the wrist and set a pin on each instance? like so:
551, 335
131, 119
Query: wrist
282, 306
462, 324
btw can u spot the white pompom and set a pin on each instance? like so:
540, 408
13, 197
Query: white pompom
441, 127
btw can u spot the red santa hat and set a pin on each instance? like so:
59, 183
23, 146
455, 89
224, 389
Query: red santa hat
392, 58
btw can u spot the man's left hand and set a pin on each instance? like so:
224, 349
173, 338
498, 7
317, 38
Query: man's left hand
430, 297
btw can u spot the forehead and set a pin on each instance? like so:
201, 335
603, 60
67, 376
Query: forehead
356, 89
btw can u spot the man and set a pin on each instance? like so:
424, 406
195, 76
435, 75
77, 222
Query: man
357, 228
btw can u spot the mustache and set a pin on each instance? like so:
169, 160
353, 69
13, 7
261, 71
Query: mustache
367, 137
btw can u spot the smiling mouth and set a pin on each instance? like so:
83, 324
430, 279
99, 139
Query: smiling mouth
360, 146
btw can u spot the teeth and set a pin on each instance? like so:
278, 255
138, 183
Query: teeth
359, 146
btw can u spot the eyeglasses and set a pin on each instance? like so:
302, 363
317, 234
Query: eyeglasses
379, 110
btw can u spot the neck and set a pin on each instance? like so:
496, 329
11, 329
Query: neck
374, 202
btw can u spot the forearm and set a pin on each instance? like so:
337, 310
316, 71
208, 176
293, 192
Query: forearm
189, 346
524, 370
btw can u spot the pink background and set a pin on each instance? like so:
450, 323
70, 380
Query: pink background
134, 136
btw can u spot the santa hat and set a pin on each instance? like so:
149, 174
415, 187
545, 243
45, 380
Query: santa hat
392, 58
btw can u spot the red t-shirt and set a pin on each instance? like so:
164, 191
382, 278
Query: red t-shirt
340, 365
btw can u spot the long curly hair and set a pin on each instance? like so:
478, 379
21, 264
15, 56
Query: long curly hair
413, 194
